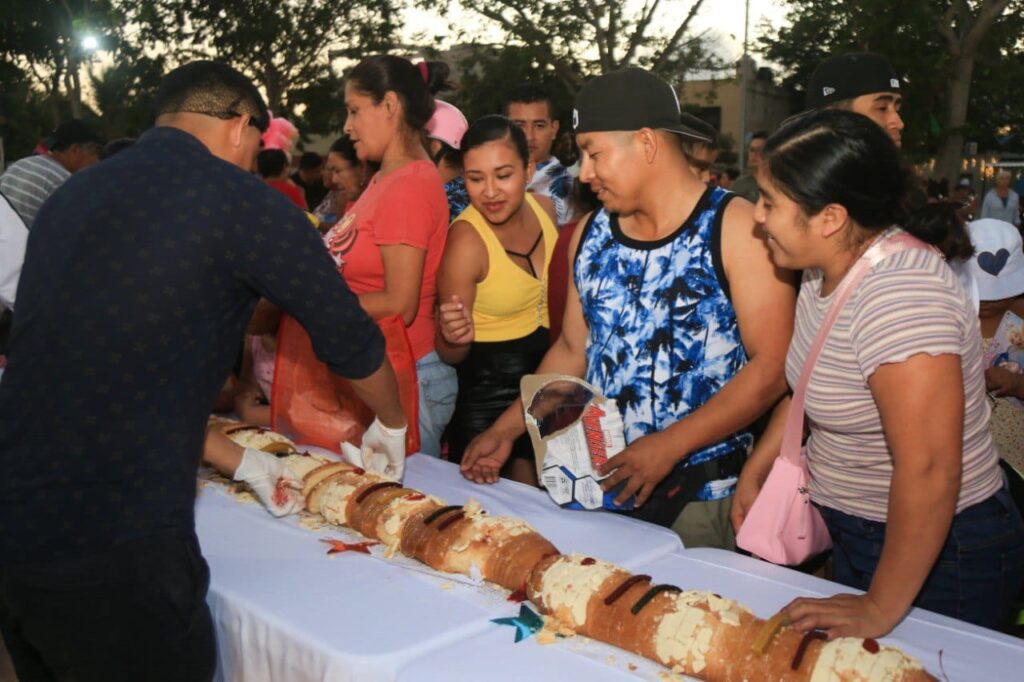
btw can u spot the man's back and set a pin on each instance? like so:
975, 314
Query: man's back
140, 276
29, 182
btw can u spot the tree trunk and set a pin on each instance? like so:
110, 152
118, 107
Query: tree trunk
275, 93
75, 92
949, 159
963, 44
54, 95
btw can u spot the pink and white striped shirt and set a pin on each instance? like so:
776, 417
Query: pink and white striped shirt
909, 303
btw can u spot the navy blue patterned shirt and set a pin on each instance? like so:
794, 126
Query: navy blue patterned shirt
663, 335
140, 276
458, 197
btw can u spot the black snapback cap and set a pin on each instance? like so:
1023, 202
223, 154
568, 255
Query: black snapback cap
630, 99
75, 131
850, 75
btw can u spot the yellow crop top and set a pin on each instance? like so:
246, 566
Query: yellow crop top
510, 304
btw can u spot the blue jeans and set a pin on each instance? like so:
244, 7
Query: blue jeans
977, 576
438, 387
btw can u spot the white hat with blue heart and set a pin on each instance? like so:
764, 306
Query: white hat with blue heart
998, 260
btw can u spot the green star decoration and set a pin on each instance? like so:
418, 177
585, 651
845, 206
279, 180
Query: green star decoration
526, 623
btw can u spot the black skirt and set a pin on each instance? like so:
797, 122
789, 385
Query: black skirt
489, 383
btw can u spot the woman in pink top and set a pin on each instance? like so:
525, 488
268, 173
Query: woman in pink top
388, 245
902, 464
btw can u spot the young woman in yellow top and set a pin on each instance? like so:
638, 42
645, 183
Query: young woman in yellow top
493, 285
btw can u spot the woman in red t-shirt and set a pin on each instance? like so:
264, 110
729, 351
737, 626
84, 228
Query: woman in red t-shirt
388, 246
272, 165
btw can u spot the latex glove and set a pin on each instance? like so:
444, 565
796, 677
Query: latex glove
272, 482
365, 459
389, 442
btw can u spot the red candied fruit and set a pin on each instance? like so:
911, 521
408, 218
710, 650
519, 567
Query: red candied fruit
871, 646
589, 561
518, 596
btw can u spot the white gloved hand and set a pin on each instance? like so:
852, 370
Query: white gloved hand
383, 451
272, 482
365, 459
382, 440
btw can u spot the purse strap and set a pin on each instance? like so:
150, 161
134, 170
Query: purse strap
883, 248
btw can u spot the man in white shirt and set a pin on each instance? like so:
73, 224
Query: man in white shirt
532, 109
13, 235
28, 182
1001, 202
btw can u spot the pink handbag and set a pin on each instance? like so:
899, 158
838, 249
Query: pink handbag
782, 526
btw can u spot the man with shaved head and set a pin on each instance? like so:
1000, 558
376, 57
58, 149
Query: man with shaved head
674, 311
139, 278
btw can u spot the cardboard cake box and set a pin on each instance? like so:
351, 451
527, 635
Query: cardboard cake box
574, 429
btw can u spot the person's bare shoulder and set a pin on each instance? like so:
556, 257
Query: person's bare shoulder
549, 206
465, 248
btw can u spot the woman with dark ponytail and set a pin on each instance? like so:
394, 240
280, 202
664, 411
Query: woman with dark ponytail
388, 246
902, 465
494, 317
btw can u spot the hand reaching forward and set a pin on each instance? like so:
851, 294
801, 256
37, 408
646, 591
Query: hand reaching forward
843, 615
486, 454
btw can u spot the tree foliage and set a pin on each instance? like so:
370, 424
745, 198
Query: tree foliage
282, 44
488, 70
579, 38
931, 42
124, 92
42, 41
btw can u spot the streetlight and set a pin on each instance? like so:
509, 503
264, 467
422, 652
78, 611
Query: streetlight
744, 85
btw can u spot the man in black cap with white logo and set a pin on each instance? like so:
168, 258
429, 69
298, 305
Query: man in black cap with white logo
674, 310
861, 82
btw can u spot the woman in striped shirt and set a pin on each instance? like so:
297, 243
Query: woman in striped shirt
902, 464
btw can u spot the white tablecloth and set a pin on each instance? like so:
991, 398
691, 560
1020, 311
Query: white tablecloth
284, 610
970, 654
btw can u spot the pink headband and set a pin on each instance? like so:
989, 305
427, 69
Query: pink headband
424, 71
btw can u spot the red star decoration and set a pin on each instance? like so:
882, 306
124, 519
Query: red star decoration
337, 546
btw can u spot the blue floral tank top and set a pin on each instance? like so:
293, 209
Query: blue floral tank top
663, 333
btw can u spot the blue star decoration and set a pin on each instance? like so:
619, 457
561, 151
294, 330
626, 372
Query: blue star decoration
526, 623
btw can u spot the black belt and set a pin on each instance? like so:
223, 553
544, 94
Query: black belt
725, 466
682, 485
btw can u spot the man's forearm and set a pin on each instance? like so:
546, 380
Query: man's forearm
222, 453
560, 359
265, 319
748, 395
380, 393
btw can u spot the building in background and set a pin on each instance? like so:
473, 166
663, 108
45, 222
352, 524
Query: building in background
720, 103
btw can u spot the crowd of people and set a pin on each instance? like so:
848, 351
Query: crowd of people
688, 293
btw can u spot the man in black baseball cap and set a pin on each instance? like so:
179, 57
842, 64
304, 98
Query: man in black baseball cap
862, 82
674, 310
29, 182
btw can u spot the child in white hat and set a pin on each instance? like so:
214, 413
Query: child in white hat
998, 269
